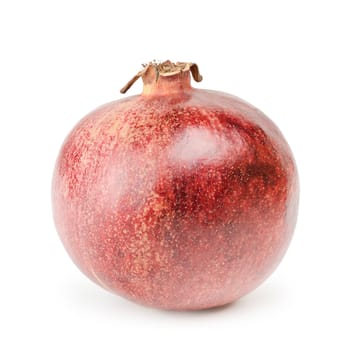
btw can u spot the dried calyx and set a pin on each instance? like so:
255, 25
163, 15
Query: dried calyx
164, 69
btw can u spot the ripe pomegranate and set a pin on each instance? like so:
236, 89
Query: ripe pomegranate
178, 198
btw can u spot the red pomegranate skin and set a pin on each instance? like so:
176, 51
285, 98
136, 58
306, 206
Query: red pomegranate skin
179, 198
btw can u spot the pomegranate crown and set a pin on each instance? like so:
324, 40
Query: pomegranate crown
165, 69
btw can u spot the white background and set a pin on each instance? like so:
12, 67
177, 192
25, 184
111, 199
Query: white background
61, 59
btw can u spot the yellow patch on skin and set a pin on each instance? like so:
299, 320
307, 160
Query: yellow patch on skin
144, 253
114, 128
124, 132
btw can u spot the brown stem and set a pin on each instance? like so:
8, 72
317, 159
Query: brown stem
165, 68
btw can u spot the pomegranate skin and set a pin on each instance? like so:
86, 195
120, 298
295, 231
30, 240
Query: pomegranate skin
180, 200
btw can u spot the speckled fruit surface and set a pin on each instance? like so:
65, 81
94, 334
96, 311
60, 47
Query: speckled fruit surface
178, 198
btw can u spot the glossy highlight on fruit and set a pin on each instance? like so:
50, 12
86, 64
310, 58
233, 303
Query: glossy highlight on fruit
178, 198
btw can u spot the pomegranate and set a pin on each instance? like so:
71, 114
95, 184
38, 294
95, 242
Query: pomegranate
178, 198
